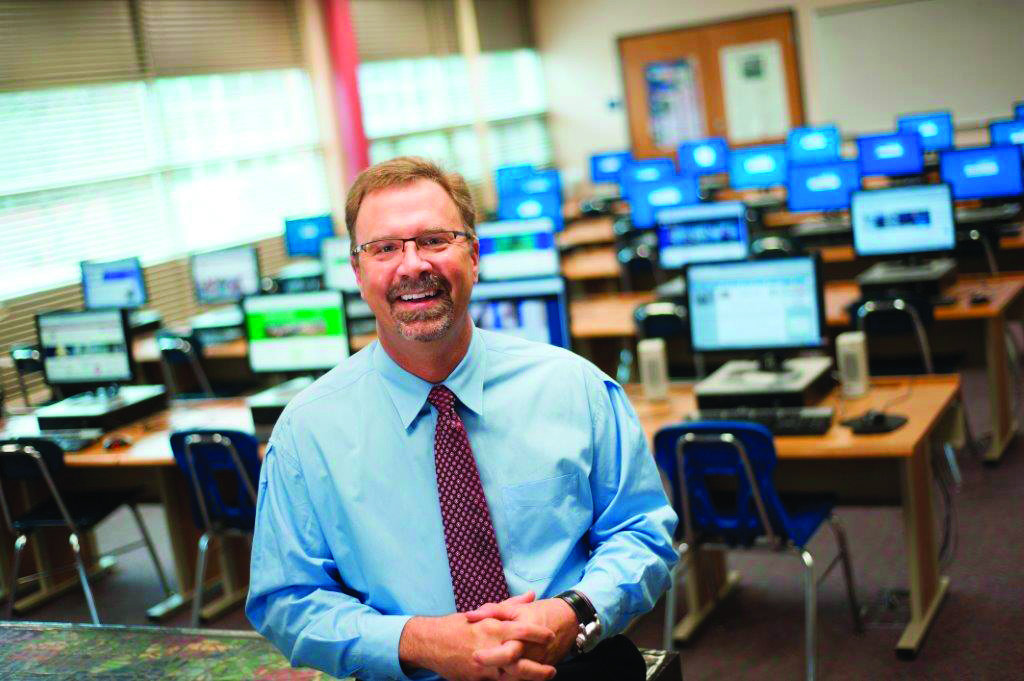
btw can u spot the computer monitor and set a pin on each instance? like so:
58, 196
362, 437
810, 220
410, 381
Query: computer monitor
1006, 133
85, 349
812, 145
903, 220
891, 154
517, 249
337, 267
647, 197
982, 173
646, 170
605, 167
534, 309
535, 182
296, 332
225, 276
822, 187
708, 232
113, 284
517, 206
505, 177
935, 129
757, 167
704, 157
302, 236
755, 305
1018, 110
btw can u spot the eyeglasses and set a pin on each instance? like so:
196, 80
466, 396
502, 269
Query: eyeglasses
432, 242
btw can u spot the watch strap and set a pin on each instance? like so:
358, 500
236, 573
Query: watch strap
586, 615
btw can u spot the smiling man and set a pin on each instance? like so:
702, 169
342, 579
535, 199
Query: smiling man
450, 502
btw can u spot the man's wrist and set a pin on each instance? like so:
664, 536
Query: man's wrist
588, 623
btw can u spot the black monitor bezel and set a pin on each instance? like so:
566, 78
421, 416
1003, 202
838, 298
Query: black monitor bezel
952, 127
74, 387
219, 301
1020, 153
82, 264
744, 218
305, 371
561, 297
900, 254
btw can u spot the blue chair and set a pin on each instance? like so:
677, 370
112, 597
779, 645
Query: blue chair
751, 514
223, 470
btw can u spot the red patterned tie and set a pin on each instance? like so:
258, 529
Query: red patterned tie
473, 557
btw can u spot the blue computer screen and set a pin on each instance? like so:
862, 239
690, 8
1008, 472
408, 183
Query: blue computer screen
982, 173
703, 157
302, 236
537, 182
517, 249
519, 206
534, 309
647, 170
757, 167
902, 220
605, 167
113, 284
1018, 110
755, 305
935, 129
822, 187
707, 232
505, 177
894, 154
1005, 133
818, 144
647, 197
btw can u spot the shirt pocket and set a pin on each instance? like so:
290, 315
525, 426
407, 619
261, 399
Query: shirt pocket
546, 518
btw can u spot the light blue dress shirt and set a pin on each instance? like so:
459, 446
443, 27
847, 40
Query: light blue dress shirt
349, 542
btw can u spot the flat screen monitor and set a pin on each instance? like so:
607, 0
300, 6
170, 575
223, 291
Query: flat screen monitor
822, 187
88, 348
548, 181
605, 167
708, 232
530, 206
534, 309
757, 167
302, 236
646, 170
296, 331
935, 129
893, 154
773, 304
810, 145
1006, 133
335, 258
225, 276
704, 157
1018, 110
113, 284
647, 197
982, 173
517, 249
506, 177
903, 220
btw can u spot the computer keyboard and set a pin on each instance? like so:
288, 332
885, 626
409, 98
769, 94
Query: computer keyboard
779, 420
72, 440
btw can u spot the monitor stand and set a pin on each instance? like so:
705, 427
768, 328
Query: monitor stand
927, 278
770, 382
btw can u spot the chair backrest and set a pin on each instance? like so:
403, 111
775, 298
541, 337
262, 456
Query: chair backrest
178, 348
28, 458
774, 247
721, 479
895, 316
223, 470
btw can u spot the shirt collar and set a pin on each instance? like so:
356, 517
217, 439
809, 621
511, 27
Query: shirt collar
409, 393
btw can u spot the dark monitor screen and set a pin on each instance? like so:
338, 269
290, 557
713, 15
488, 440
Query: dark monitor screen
903, 220
703, 157
531, 206
822, 187
534, 309
647, 197
757, 167
982, 173
647, 170
935, 129
517, 249
707, 232
113, 284
893, 154
296, 331
809, 145
605, 167
85, 348
302, 236
337, 267
1006, 133
226, 276
755, 305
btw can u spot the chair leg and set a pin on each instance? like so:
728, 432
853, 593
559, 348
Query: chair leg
197, 591
84, 577
149, 547
851, 589
668, 641
12, 583
810, 612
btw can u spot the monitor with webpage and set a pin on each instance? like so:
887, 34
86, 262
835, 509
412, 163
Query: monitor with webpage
708, 232
302, 236
225, 276
1006, 133
903, 220
517, 249
296, 332
935, 129
891, 154
810, 145
335, 256
535, 309
113, 284
647, 197
822, 187
982, 173
84, 350
704, 156
605, 167
757, 167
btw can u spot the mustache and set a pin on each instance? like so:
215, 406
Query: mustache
427, 281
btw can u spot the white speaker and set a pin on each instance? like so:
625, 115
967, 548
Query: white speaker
852, 360
653, 368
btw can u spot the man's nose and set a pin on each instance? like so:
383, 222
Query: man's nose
412, 264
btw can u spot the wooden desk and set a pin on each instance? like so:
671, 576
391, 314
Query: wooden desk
606, 315
595, 262
587, 232
894, 468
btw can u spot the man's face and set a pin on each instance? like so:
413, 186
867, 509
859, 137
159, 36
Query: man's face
415, 295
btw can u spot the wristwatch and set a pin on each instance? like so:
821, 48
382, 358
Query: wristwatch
589, 632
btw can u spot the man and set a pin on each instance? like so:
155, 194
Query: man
417, 499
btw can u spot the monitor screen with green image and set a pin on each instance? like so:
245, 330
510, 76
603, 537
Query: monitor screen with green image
296, 332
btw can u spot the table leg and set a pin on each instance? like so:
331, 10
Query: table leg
184, 539
707, 582
1000, 390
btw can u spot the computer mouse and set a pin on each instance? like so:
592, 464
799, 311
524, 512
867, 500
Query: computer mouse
117, 442
873, 417
979, 298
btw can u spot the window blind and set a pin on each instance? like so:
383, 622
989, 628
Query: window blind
399, 29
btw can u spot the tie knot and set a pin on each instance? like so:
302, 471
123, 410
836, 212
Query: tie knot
442, 398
